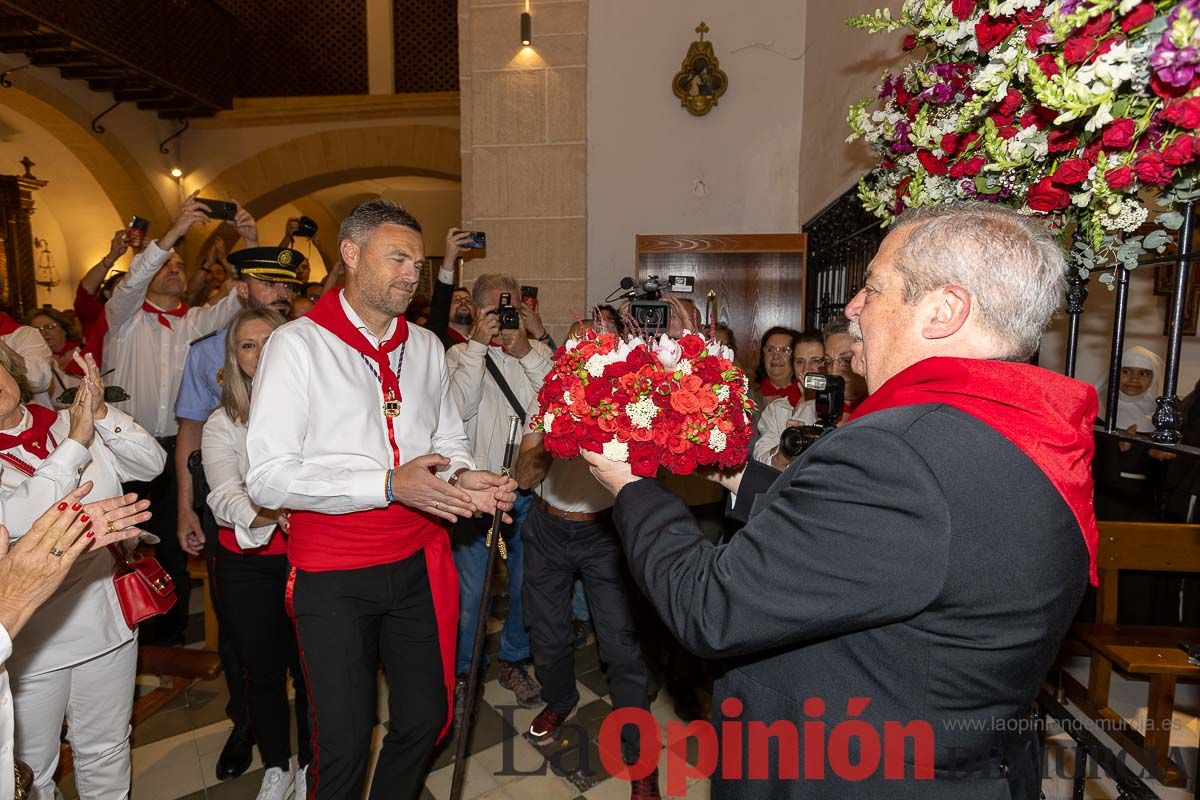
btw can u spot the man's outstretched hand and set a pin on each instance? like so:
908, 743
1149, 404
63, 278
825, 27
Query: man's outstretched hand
491, 493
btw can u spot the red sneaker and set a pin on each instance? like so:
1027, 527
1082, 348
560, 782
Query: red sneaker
646, 788
547, 725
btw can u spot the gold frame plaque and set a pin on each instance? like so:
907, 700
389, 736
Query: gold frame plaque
700, 81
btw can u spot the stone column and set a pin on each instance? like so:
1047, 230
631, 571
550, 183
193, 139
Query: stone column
524, 147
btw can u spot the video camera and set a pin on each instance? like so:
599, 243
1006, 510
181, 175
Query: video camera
647, 309
830, 402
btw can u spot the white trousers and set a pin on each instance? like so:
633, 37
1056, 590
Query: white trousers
96, 699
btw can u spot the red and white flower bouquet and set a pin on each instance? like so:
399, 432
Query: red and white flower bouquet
679, 404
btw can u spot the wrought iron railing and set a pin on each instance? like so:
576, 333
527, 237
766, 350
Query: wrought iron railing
842, 240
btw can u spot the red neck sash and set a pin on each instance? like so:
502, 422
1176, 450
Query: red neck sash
162, 314
792, 391
1049, 417
36, 438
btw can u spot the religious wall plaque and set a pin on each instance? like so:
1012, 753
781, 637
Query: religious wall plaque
700, 81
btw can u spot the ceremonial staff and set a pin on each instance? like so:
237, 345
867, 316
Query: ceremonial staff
494, 543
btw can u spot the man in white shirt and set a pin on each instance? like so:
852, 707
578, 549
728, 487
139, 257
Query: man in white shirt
353, 429
568, 531
486, 409
149, 329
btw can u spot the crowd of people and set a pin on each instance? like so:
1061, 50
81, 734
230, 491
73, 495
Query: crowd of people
337, 466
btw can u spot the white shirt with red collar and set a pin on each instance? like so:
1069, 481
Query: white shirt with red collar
147, 346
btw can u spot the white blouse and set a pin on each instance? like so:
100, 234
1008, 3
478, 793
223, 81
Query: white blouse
225, 465
83, 618
773, 421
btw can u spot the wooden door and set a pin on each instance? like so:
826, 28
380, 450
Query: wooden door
758, 278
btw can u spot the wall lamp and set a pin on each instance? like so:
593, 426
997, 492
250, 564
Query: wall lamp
526, 26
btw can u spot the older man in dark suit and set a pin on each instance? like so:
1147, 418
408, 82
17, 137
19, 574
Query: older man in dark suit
917, 567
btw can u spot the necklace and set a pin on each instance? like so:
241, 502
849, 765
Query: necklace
391, 403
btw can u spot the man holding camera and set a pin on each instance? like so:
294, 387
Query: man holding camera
918, 566
494, 376
149, 330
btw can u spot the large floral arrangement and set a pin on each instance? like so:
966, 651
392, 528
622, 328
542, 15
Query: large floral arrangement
1074, 110
679, 404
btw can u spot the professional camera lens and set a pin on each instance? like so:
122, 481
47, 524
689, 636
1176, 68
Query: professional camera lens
792, 442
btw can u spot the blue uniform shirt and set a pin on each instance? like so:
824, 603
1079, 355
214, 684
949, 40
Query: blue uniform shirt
199, 393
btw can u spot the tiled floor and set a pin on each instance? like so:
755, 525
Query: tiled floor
175, 751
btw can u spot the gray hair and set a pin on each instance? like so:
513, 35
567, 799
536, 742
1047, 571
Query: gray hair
1013, 267
366, 217
14, 364
489, 282
838, 326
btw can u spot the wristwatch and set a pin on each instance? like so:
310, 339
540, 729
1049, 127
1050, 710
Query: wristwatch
458, 474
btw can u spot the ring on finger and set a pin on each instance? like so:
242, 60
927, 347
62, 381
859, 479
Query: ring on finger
54, 551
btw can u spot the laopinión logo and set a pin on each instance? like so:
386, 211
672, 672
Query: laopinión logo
852, 750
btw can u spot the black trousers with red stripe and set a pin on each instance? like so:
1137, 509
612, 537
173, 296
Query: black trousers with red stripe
250, 593
348, 622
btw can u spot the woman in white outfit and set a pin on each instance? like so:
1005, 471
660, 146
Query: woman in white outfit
77, 658
251, 572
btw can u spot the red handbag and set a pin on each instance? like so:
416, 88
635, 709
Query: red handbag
144, 589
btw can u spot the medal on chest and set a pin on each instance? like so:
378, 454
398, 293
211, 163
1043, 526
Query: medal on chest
391, 405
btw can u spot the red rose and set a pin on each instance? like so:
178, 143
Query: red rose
1138, 17
1152, 168
1040, 117
1009, 105
962, 9
1047, 65
643, 459
1099, 26
1119, 178
1078, 48
910, 43
1119, 133
1104, 46
991, 32
1007, 132
903, 97
967, 141
1034, 34
1060, 140
596, 392
950, 144
967, 169
617, 369
1179, 151
1183, 113
1030, 16
1166, 90
691, 346
932, 164
1045, 196
1071, 172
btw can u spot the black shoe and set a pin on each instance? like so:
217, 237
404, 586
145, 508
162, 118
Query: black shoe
237, 753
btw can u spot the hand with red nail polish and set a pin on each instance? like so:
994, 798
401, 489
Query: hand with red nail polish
76, 506
62, 506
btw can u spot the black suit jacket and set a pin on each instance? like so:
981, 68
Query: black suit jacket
914, 557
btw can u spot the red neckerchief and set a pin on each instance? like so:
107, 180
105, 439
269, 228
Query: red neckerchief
162, 315
7, 324
455, 336
792, 391
329, 314
32, 439
1049, 417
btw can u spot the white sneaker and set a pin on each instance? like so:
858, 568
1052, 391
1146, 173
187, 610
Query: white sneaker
275, 784
302, 783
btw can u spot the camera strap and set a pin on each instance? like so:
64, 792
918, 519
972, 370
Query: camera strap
498, 377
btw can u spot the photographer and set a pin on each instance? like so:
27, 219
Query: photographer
839, 355
922, 562
808, 355
492, 377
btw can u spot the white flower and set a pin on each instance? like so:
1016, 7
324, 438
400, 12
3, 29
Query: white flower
684, 367
716, 441
547, 422
721, 391
642, 413
596, 364
668, 351
571, 344
616, 451
567, 397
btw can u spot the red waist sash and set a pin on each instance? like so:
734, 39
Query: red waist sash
277, 546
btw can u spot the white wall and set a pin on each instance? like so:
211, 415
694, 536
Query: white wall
652, 166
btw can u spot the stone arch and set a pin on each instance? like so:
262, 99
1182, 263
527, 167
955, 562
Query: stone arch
293, 169
118, 173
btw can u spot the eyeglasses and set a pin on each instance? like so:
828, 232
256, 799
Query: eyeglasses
843, 361
812, 362
787, 351
49, 326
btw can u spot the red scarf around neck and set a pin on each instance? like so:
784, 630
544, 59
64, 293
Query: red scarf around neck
8, 324
148, 307
34, 438
1049, 417
792, 391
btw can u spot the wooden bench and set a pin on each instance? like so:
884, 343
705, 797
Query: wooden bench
1150, 654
